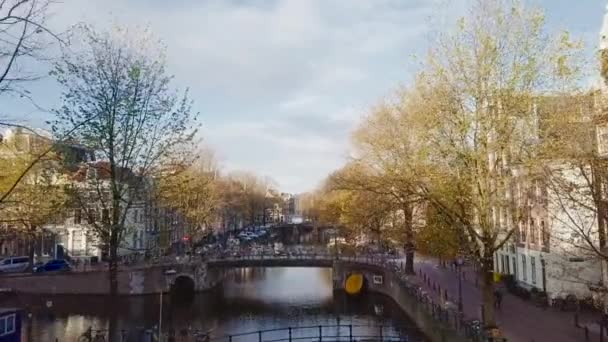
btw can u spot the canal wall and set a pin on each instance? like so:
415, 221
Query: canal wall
386, 282
135, 281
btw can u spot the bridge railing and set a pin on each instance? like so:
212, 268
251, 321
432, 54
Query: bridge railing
320, 254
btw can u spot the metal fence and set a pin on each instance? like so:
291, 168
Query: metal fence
316, 333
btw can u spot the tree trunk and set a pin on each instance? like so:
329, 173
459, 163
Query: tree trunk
409, 239
487, 289
601, 228
31, 247
113, 262
113, 333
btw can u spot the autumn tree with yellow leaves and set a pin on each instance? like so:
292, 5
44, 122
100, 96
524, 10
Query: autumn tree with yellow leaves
448, 141
39, 198
479, 86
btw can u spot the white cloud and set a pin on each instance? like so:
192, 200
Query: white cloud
279, 83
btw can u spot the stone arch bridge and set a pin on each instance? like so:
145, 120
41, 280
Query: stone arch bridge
207, 274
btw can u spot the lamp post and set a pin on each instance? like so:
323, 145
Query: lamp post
459, 262
544, 273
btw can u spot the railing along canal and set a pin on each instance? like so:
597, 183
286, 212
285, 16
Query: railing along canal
333, 333
316, 333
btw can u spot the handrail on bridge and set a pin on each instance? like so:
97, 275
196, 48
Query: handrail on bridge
378, 260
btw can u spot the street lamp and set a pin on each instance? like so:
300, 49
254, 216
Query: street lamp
544, 273
459, 262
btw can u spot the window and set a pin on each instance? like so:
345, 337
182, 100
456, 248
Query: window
524, 268
105, 216
135, 215
92, 216
502, 264
518, 194
544, 233
515, 266
7, 325
533, 233
78, 242
77, 216
522, 232
533, 269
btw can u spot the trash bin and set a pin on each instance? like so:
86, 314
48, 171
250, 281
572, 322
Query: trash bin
94, 260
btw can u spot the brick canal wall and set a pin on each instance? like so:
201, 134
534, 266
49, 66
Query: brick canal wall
385, 282
137, 281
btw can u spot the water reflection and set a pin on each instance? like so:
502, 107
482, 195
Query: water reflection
252, 299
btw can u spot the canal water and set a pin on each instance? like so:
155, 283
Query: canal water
252, 299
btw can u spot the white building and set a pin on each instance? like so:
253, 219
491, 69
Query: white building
545, 253
77, 233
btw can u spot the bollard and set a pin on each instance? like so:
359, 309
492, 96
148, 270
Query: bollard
445, 294
601, 332
586, 333
576, 324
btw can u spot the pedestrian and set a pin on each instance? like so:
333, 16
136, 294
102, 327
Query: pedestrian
497, 298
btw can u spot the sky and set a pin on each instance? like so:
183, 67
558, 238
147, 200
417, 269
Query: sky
280, 84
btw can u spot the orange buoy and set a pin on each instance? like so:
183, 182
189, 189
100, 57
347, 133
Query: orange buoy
354, 283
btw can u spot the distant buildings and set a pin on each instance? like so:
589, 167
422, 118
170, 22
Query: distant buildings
293, 209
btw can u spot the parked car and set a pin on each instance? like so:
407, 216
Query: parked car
55, 265
14, 264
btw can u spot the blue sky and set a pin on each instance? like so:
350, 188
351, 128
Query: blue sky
281, 83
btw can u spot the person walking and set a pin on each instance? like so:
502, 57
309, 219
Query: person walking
497, 298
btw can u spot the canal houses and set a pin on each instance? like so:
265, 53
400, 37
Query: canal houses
72, 234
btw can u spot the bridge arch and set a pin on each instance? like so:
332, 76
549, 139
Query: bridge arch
183, 287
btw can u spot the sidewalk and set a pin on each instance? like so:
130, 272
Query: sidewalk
521, 321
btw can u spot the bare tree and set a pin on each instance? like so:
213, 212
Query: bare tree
117, 85
23, 41
21, 23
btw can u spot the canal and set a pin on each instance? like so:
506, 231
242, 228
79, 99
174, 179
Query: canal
250, 300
